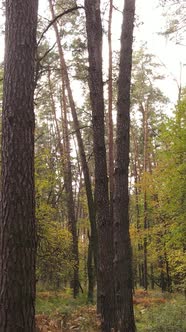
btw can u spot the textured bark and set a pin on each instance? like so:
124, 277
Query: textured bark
104, 222
145, 277
90, 271
17, 224
145, 166
110, 99
122, 245
136, 170
69, 192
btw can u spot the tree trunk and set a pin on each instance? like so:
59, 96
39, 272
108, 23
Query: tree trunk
104, 222
17, 227
152, 275
136, 169
122, 246
85, 169
90, 272
110, 99
145, 280
64, 150
168, 277
145, 162
69, 193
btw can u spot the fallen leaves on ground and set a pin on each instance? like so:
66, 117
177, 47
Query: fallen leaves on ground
83, 319
146, 299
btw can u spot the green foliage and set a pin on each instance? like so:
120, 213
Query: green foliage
60, 309
163, 185
150, 317
168, 317
174, 12
54, 257
59, 303
145, 78
170, 178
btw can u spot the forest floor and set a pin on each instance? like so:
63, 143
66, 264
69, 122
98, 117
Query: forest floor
154, 312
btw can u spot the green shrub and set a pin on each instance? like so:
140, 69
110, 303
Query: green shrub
170, 317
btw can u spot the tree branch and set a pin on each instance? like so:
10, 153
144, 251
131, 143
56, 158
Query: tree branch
117, 9
47, 52
56, 18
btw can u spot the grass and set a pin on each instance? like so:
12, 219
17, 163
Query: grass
154, 312
54, 303
157, 313
59, 311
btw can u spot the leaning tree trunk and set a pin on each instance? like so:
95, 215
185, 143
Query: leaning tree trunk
104, 222
122, 246
69, 192
85, 169
64, 149
17, 226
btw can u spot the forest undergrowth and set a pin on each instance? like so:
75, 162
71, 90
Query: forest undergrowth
154, 312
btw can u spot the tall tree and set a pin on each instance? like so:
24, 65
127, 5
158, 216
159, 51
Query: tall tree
104, 222
149, 101
85, 169
145, 220
17, 226
122, 245
110, 101
69, 192
64, 149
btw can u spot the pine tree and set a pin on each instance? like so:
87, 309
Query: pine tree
17, 228
122, 246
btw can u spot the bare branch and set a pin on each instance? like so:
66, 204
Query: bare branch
56, 18
117, 9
